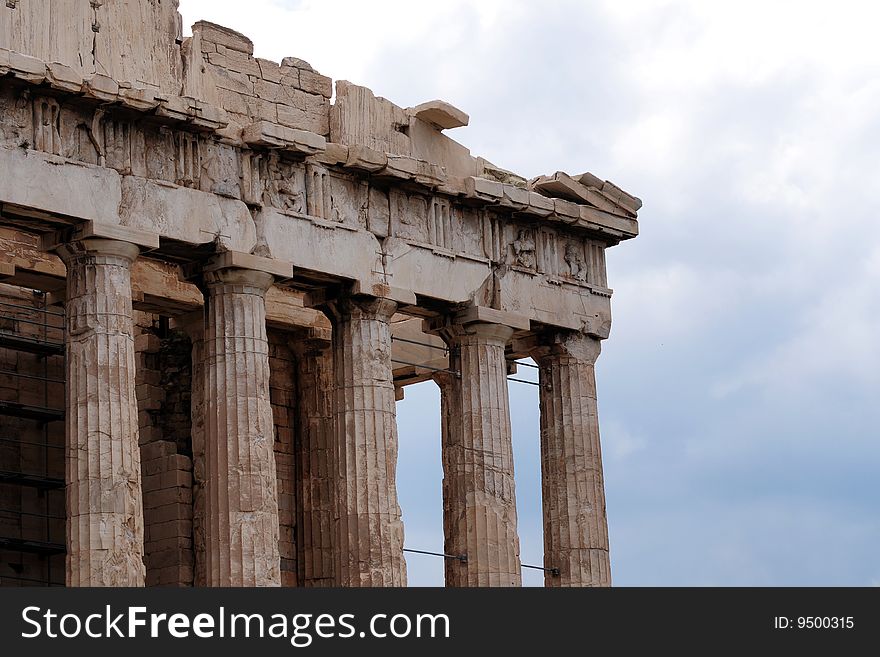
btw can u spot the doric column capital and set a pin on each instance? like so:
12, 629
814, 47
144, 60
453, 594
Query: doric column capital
573, 345
346, 306
491, 325
97, 246
250, 273
251, 280
454, 333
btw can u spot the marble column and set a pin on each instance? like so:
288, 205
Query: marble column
573, 489
369, 531
105, 522
240, 487
479, 494
313, 454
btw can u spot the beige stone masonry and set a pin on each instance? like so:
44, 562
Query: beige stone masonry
479, 501
105, 524
573, 490
231, 173
240, 488
369, 530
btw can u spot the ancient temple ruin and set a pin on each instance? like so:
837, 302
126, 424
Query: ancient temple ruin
217, 275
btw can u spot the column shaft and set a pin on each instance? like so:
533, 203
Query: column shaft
369, 530
313, 453
241, 491
573, 490
479, 492
105, 523
196, 333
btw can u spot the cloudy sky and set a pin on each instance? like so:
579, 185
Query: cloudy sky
739, 390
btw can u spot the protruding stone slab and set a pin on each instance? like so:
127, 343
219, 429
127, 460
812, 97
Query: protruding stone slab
264, 133
224, 36
440, 114
105, 524
562, 186
630, 202
573, 489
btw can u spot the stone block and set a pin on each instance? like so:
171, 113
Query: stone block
269, 70
311, 114
64, 78
365, 158
481, 188
26, 67
101, 87
440, 114
149, 342
223, 36
315, 83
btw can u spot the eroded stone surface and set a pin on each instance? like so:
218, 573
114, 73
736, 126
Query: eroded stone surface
572, 485
113, 125
241, 499
369, 530
479, 500
105, 524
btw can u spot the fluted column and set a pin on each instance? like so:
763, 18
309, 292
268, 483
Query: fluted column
369, 530
479, 494
313, 453
105, 521
240, 486
573, 489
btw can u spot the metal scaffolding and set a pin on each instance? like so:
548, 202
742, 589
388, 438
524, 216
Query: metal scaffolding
32, 400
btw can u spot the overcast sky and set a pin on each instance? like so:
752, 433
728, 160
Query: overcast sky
739, 390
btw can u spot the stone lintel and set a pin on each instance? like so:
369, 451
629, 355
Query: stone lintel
238, 260
399, 296
92, 229
478, 315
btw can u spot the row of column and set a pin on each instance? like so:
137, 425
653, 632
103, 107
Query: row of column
350, 520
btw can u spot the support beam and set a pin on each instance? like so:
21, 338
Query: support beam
105, 523
572, 485
369, 529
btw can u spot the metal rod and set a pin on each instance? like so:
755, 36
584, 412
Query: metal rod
459, 557
30, 376
29, 579
31, 321
422, 344
32, 515
32, 444
463, 559
534, 367
44, 311
531, 383
552, 571
425, 367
